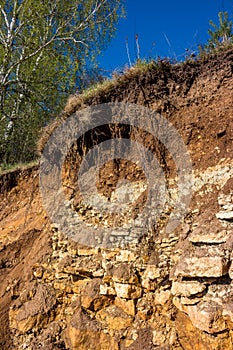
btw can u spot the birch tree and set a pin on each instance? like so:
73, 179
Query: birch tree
44, 46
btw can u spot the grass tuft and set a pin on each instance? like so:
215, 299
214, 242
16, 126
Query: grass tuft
7, 168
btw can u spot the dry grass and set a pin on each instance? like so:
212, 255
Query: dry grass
77, 102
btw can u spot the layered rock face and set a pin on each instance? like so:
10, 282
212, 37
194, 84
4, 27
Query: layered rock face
202, 280
167, 290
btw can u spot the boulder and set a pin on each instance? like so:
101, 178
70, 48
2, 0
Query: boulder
202, 262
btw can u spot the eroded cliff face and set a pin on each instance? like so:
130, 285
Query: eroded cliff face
167, 291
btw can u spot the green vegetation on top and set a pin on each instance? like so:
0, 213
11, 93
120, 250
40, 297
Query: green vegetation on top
6, 168
222, 34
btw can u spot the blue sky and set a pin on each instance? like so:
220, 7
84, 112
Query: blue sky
165, 28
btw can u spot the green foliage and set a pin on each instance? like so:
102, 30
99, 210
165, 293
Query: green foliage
222, 34
45, 47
